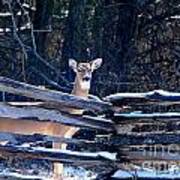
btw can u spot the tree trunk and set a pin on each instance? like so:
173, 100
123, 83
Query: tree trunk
41, 21
76, 42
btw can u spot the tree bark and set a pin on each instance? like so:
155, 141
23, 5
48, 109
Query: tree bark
41, 21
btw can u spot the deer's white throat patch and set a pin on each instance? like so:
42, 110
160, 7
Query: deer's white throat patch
85, 85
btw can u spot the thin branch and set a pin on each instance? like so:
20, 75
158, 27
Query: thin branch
51, 82
31, 25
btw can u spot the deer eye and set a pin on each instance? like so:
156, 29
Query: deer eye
81, 70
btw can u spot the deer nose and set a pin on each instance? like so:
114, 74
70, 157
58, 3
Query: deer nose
86, 78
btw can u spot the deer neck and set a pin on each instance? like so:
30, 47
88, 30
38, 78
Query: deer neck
78, 91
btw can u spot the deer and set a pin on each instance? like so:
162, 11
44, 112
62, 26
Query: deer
81, 88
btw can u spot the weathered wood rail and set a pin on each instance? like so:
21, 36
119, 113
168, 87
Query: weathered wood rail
146, 117
63, 156
56, 97
46, 115
156, 96
116, 130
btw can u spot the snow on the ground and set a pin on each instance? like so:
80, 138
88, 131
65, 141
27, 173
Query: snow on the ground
19, 169
72, 173
146, 174
14, 175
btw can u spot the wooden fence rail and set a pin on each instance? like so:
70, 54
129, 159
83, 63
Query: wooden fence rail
56, 97
146, 117
36, 139
156, 96
151, 139
116, 141
46, 115
54, 155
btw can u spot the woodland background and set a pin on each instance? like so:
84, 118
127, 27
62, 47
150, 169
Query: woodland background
139, 41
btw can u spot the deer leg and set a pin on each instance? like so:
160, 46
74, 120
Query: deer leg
58, 167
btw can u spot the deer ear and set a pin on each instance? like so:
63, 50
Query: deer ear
73, 64
95, 64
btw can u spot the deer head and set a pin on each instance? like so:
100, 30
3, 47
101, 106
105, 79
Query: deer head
84, 72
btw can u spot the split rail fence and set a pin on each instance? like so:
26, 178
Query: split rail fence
128, 131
